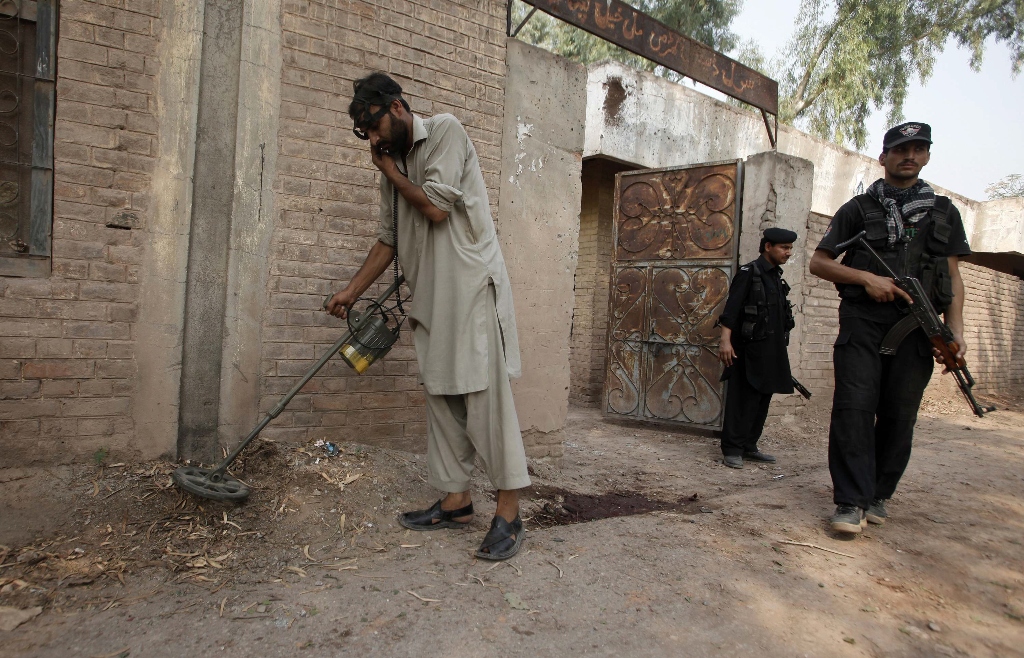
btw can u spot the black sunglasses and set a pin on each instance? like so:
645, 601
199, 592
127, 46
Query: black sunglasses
370, 123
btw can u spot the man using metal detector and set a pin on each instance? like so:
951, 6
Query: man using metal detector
880, 380
435, 218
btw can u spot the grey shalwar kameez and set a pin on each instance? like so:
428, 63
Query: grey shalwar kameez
462, 317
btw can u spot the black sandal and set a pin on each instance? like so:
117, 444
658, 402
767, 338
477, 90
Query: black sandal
435, 518
499, 543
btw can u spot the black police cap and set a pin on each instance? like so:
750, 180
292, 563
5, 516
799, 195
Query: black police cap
779, 236
912, 131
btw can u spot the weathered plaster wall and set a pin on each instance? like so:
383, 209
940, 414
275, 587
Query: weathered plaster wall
638, 117
538, 224
777, 193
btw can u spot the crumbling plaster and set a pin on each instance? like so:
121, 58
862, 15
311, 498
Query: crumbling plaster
637, 117
538, 225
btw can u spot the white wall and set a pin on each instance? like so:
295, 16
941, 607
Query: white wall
639, 118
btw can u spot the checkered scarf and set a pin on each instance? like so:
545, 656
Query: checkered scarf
902, 206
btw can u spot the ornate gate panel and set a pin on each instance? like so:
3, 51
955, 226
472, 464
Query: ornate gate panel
674, 256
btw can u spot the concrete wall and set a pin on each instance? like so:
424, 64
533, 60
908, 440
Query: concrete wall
638, 117
777, 193
538, 225
642, 119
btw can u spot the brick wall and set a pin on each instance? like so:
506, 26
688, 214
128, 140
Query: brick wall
66, 342
994, 329
449, 57
820, 321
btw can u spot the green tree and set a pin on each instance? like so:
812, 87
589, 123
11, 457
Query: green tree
1010, 186
849, 56
704, 20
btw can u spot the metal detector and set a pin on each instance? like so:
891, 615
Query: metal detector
216, 483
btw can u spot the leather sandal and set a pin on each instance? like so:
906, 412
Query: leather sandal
498, 542
435, 518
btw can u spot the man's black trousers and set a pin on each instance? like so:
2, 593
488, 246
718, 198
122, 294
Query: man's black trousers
746, 409
873, 410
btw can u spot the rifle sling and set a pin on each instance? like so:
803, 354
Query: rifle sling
899, 331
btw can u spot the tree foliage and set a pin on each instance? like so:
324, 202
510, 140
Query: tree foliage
849, 56
845, 59
704, 20
1008, 187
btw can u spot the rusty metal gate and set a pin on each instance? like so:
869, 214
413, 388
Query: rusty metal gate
673, 258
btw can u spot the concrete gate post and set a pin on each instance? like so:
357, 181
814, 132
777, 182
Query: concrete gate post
777, 193
538, 225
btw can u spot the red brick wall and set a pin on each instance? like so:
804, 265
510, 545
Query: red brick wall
449, 57
66, 342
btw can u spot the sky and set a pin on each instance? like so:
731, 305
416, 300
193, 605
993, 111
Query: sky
976, 121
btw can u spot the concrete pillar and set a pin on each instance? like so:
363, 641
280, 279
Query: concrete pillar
212, 203
251, 217
777, 193
165, 236
538, 225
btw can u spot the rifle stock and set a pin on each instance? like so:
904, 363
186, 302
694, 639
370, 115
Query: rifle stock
938, 333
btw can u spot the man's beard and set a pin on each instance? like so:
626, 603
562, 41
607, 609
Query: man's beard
398, 140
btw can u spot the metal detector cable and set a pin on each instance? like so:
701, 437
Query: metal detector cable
394, 238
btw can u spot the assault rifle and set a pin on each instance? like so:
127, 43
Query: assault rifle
922, 314
800, 388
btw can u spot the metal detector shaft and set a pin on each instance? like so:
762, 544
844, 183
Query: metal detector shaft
283, 402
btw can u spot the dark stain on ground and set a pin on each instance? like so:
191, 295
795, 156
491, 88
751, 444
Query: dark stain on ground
614, 97
564, 507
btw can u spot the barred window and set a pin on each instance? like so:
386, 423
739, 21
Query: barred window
28, 30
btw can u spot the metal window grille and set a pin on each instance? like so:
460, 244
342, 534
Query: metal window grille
28, 31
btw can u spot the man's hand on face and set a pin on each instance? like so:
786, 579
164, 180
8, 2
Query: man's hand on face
384, 161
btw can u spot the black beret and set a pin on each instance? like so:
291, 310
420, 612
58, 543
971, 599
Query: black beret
779, 236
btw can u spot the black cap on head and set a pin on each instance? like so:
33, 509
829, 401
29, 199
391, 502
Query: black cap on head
912, 131
777, 236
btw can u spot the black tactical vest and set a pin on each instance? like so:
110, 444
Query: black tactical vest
755, 324
922, 257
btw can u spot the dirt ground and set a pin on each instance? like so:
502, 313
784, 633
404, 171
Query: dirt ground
123, 564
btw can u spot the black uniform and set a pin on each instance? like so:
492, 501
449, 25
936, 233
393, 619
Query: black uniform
760, 324
877, 397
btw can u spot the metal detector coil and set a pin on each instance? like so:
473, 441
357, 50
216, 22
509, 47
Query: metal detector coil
368, 335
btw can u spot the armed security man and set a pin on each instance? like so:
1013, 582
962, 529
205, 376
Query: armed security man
755, 332
463, 322
876, 398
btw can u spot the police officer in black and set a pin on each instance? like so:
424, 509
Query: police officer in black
876, 399
755, 332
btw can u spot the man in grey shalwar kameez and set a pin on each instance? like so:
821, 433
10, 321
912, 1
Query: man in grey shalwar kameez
462, 317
